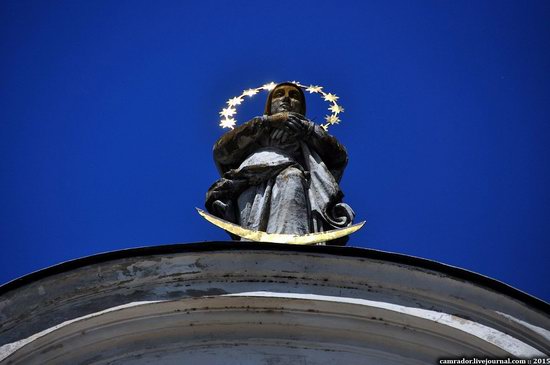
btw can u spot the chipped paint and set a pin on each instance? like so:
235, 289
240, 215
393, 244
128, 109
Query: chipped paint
360, 306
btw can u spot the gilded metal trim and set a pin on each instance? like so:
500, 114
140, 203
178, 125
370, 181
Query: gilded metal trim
292, 239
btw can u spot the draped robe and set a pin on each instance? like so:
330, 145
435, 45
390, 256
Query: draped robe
279, 183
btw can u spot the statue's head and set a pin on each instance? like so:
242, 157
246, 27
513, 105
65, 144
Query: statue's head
286, 97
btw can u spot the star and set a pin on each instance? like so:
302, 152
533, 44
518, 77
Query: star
227, 112
270, 86
335, 108
332, 119
235, 101
314, 89
331, 97
250, 92
228, 123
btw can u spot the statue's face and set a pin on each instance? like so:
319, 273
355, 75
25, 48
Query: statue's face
286, 98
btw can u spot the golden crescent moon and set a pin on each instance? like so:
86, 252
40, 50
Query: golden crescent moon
292, 239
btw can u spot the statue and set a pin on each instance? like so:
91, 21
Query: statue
280, 172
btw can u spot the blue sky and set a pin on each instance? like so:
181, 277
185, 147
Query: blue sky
109, 110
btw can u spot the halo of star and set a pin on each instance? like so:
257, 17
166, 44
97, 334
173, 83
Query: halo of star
227, 114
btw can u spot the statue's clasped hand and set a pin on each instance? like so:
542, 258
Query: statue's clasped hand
291, 123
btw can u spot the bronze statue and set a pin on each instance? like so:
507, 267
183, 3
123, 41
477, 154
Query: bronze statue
280, 172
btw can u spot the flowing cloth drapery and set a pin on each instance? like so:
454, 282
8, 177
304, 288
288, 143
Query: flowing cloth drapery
279, 183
